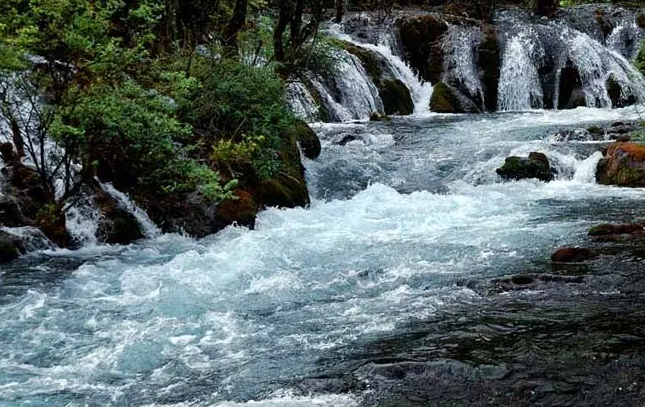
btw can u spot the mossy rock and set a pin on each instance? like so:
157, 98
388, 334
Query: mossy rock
573, 255
242, 211
396, 97
11, 247
116, 226
536, 165
394, 94
607, 229
283, 192
307, 138
445, 100
618, 98
623, 165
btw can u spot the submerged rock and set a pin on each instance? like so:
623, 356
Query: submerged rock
11, 247
606, 229
536, 165
623, 165
573, 255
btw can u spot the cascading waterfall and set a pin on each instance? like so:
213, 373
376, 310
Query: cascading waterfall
301, 102
519, 85
460, 67
598, 64
82, 221
624, 39
148, 228
420, 90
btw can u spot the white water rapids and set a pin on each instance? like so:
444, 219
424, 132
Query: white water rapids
400, 216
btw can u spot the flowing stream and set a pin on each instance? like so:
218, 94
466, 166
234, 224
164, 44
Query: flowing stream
403, 213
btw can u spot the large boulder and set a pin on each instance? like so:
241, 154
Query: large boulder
536, 165
11, 247
623, 165
10, 212
116, 225
420, 38
308, 140
619, 98
447, 99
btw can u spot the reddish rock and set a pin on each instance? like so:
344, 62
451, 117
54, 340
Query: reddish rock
241, 211
573, 255
623, 165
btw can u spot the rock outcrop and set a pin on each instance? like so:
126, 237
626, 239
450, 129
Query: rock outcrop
623, 165
536, 165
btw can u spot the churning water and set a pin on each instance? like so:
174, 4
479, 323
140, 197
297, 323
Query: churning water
402, 211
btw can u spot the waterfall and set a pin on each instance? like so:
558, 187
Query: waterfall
624, 39
148, 228
596, 65
82, 221
519, 85
420, 90
460, 60
301, 103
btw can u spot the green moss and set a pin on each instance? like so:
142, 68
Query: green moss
396, 97
444, 100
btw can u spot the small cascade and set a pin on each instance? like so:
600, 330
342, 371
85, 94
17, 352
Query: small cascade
355, 91
33, 239
519, 85
148, 228
598, 66
420, 90
625, 39
301, 103
82, 221
460, 60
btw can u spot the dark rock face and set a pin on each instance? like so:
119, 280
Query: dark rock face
489, 61
308, 140
618, 97
536, 165
10, 247
241, 211
10, 212
623, 165
570, 94
420, 38
394, 94
446, 99
640, 20
117, 225
573, 255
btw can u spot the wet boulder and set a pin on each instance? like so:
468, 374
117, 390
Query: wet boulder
116, 225
394, 94
420, 38
571, 94
536, 165
618, 96
573, 255
308, 140
607, 229
623, 165
447, 99
10, 212
640, 20
240, 210
11, 247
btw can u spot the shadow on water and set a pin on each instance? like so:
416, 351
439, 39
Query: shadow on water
549, 336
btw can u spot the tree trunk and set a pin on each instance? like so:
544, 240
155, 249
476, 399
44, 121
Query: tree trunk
280, 27
234, 26
340, 11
